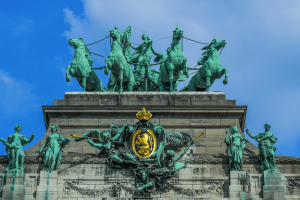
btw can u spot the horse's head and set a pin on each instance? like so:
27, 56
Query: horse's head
215, 44
114, 33
76, 42
177, 34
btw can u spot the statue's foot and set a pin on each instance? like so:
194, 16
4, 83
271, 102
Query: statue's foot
225, 81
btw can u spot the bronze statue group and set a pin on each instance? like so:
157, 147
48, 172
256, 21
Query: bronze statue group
173, 65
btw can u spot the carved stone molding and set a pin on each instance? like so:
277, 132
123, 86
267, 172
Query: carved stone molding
83, 159
293, 183
170, 115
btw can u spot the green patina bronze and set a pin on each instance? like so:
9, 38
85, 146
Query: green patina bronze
81, 68
14, 149
173, 66
266, 147
235, 145
122, 77
54, 144
211, 68
116, 146
145, 78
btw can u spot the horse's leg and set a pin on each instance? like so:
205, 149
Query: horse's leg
121, 79
108, 66
68, 78
225, 81
84, 83
131, 81
208, 75
171, 76
191, 86
160, 83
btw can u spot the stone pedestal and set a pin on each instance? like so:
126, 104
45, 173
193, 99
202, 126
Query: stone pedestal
238, 188
273, 186
14, 187
47, 188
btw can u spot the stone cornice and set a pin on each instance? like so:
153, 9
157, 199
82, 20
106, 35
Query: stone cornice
93, 159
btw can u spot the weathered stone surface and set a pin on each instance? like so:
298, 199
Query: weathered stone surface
14, 187
82, 175
47, 188
274, 186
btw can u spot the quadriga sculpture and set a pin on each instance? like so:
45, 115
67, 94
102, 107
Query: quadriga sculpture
211, 69
14, 149
174, 68
81, 68
121, 70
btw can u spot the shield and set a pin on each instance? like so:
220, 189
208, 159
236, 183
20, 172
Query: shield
143, 142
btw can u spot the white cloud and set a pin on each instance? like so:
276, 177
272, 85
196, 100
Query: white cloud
4, 76
254, 30
17, 96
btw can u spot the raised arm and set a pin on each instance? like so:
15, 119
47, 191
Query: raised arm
183, 152
227, 140
30, 138
249, 132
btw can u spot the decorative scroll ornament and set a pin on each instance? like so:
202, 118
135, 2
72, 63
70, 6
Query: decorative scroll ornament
143, 143
144, 115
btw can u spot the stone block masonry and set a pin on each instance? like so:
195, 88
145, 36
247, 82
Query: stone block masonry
83, 175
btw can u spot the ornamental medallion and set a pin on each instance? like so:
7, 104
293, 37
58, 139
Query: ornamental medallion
143, 143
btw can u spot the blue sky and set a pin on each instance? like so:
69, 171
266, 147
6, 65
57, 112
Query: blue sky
262, 54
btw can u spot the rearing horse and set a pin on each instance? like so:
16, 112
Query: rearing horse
211, 69
174, 68
121, 70
81, 68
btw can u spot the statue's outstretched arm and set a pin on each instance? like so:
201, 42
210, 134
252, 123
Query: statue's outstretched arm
135, 48
5, 142
182, 153
155, 53
249, 132
30, 138
97, 145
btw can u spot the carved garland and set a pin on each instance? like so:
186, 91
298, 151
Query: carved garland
103, 191
214, 186
293, 183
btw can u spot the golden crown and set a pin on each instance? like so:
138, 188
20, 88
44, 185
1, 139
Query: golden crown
144, 115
